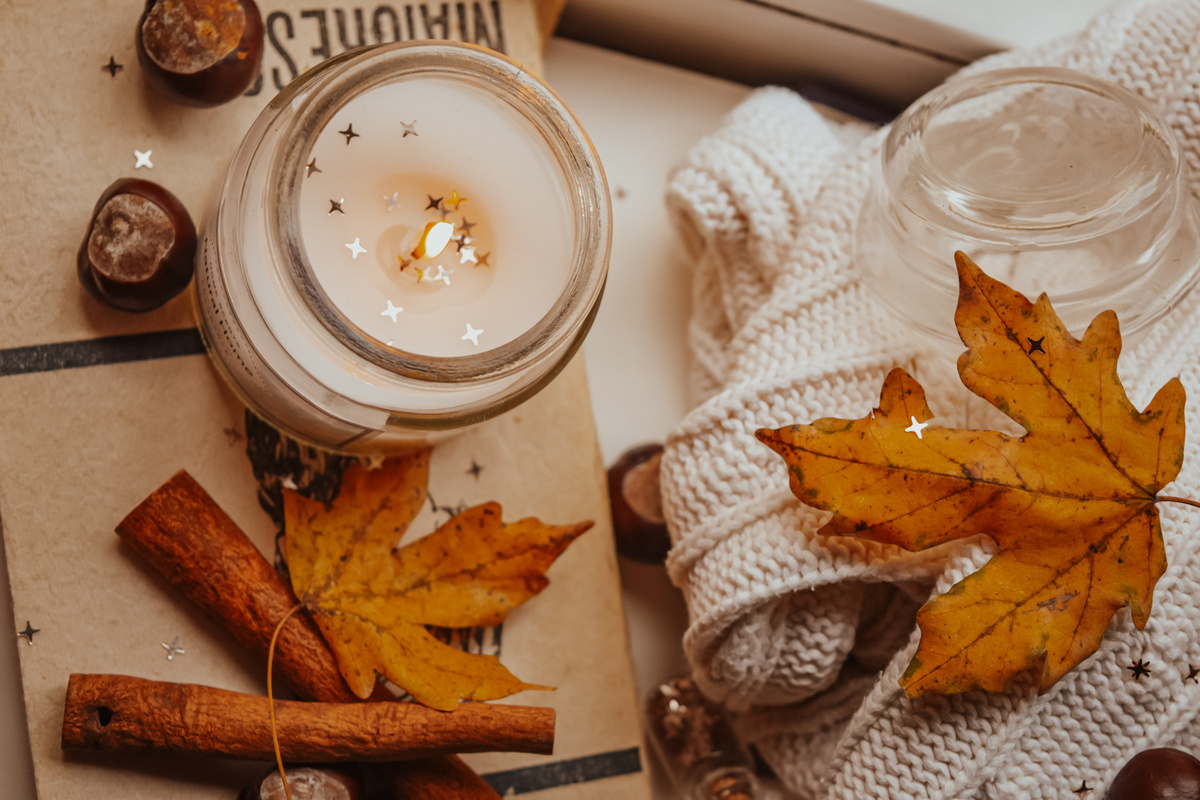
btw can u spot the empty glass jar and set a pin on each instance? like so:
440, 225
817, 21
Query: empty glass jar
1052, 181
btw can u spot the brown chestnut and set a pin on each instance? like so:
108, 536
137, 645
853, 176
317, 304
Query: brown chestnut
342, 782
140, 247
636, 503
200, 52
1159, 774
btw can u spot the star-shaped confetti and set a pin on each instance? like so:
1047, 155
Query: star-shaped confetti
311, 167
1139, 669
336, 205
916, 427
356, 248
483, 260
475, 469
410, 129
465, 226
143, 159
349, 133
1082, 790
472, 334
436, 205
112, 67
442, 275
455, 200
173, 649
393, 200
1035, 345
391, 311
28, 632
404, 262
466, 254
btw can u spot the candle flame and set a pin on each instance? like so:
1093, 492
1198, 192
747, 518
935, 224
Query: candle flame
433, 240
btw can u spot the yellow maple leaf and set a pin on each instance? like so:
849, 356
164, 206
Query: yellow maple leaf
372, 602
1070, 505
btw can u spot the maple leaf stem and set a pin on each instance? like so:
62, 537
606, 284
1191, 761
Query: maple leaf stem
287, 790
1183, 500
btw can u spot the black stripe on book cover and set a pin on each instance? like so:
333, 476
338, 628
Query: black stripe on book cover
565, 773
105, 350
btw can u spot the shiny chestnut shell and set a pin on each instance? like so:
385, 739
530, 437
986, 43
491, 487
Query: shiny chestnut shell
636, 505
1162, 773
140, 246
190, 53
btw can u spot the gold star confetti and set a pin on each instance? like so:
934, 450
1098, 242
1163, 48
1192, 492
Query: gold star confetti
455, 200
483, 260
311, 167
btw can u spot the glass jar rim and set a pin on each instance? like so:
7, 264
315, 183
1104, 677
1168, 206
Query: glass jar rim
916, 120
341, 79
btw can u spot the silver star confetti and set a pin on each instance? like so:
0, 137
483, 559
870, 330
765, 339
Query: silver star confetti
28, 633
173, 649
916, 427
410, 129
442, 275
391, 311
393, 200
356, 248
466, 254
143, 159
349, 133
472, 334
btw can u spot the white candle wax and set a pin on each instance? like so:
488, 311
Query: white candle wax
375, 174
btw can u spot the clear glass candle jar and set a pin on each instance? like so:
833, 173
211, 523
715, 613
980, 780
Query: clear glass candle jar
411, 238
1052, 181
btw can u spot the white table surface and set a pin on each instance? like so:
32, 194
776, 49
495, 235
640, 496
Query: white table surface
642, 117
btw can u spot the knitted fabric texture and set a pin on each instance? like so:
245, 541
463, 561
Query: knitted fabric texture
791, 628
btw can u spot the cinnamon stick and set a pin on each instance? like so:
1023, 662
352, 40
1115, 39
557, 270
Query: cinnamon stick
190, 540
118, 713
194, 544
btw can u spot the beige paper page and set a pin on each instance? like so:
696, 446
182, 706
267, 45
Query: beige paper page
98, 408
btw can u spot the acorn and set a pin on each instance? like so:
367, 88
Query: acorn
200, 52
1162, 773
140, 247
636, 503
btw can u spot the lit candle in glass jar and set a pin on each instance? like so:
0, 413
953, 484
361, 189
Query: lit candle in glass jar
411, 239
434, 198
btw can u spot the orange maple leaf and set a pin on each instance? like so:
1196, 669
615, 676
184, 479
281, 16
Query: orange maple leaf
1070, 504
372, 602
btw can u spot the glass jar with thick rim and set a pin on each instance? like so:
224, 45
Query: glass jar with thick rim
318, 289
1052, 181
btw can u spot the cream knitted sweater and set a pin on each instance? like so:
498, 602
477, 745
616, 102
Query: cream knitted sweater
808, 635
